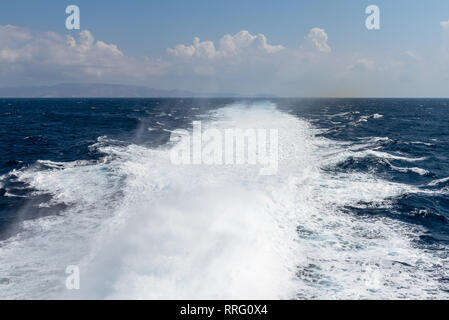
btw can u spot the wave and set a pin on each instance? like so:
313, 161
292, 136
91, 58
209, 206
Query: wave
140, 227
364, 118
386, 155
420, 171
438, 181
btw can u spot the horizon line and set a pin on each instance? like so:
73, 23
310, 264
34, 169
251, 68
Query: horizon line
217, 97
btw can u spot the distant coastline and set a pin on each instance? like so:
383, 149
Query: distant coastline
76, 90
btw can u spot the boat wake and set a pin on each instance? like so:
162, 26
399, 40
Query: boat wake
140, 227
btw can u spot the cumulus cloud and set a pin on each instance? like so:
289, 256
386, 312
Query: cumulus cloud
200, 49
242, 55
445, 24
28, 54
317, 40
242, 43
52, 48
242, 63
11, 40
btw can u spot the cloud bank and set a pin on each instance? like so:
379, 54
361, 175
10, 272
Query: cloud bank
243, 63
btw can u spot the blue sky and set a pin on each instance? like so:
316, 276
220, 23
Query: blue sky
146, 29
149, 27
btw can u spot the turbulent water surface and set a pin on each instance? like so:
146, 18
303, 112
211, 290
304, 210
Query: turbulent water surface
359, 206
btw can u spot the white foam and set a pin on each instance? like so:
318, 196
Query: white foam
386, 155
420, 171
438, 181
140, 227
376, 139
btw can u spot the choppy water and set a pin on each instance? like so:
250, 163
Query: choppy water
359, 207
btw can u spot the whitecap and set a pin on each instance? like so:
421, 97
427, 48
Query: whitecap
140, 227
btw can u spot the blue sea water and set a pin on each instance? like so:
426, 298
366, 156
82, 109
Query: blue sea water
359, 209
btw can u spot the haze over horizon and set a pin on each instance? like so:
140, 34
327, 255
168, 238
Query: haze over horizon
292, 49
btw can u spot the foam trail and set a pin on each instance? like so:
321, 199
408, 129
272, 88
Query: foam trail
438, 181
420, 171
140, 227
197, 231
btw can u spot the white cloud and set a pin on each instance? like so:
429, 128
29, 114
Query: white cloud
199, 49
47, 57
29, 51
412, 55
11, 40
241, 56
445, 24
317, 40
53, 48
241, 63
242, 43
362, 64
11, 35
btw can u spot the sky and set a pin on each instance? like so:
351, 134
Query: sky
284, 47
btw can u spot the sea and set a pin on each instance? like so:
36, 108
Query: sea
358, 207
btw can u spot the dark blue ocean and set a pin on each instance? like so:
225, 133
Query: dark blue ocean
358, 210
